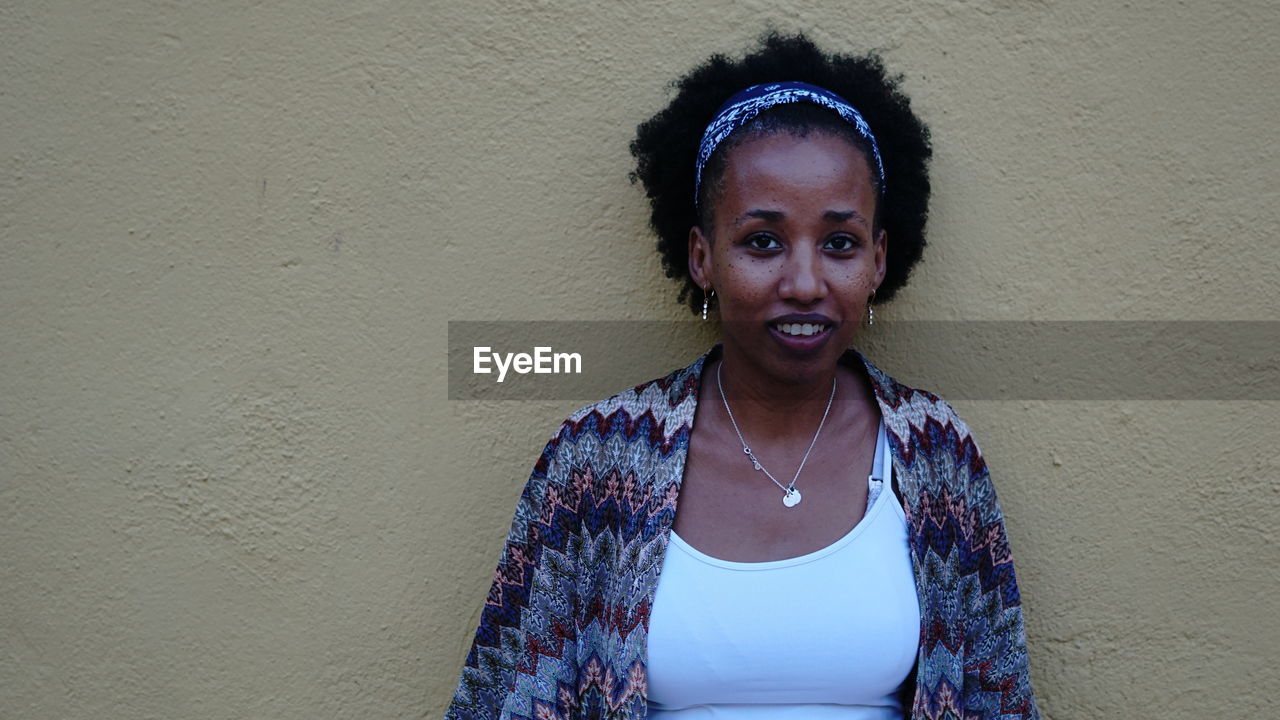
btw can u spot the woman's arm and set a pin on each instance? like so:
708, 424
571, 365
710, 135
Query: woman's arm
997, 675
523, 656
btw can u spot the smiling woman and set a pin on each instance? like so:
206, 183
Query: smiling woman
791, 251
803, 536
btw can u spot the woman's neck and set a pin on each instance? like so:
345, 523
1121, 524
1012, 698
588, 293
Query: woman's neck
769, 408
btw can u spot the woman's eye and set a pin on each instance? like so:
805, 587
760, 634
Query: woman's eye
762, 242
842, 243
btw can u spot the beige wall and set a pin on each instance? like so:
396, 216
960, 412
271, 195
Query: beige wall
231, 485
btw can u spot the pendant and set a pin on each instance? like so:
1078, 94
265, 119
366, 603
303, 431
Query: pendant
792, 498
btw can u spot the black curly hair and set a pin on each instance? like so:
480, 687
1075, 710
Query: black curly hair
666, 146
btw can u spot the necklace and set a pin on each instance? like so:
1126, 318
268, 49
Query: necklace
791, 496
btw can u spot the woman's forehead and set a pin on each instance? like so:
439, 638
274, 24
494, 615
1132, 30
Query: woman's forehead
785, 168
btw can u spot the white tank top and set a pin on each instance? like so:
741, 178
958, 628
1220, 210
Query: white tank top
830, 634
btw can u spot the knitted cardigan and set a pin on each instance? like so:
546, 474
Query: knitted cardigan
562, 633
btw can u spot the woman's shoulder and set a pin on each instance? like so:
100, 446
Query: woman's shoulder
663, 399
938, 446
657, 414
927, 432
909, 406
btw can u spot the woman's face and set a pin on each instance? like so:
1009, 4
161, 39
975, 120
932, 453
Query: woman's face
793, 257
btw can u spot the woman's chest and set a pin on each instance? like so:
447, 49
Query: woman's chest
729, 510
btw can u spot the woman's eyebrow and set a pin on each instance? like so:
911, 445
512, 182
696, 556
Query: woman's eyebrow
769, 215
839, 216
831, 216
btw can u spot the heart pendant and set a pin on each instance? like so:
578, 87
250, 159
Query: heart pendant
792, 498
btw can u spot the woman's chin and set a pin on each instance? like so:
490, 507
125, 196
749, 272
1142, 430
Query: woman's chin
790, 359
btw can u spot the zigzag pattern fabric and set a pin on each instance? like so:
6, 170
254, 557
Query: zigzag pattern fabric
562, 633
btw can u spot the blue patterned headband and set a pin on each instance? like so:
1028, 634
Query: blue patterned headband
746, 104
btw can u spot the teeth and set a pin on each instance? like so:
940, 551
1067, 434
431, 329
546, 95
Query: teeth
801, 329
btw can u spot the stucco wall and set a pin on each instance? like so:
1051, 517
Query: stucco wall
232, 234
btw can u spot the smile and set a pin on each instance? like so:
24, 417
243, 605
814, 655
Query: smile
799, 329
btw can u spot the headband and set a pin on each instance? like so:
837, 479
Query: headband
746, 104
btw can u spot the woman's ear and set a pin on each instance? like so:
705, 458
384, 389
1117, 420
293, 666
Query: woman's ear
882, 254
700, 264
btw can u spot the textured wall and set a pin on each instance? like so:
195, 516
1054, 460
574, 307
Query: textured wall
231, 485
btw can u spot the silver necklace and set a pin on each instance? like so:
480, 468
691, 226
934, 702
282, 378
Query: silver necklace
791, 496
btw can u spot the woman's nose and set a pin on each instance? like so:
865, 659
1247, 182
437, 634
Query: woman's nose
802, 277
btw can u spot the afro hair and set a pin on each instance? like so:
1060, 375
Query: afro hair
666, 145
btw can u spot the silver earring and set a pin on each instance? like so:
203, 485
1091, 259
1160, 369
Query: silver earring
706, 301
871, 311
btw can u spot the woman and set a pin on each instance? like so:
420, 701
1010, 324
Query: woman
705, 545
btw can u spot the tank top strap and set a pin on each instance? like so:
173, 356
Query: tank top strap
885, 457
875, 480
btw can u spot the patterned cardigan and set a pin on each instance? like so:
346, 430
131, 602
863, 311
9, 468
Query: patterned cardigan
562, 633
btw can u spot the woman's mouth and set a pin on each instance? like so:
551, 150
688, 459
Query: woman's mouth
800, 329
801, 338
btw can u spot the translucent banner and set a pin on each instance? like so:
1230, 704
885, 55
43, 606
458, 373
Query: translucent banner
961, 360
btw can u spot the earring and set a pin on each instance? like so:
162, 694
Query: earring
706, 301
871, 312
